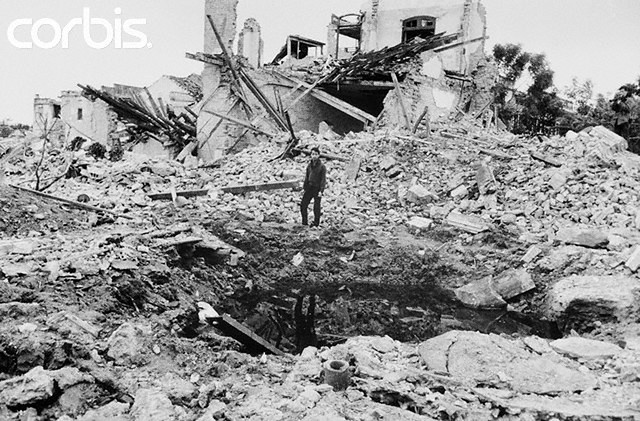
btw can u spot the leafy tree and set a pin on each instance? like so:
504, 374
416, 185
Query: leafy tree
538, 106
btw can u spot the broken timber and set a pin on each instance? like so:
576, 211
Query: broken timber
496, 154
242, 123
471, 224
205, 58
280, 185
235, 80
394, 77
546, 159
187, 193
260, 96
71, 202
243, 334
332, 101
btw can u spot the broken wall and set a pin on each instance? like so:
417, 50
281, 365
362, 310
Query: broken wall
250, 43
382, 26
45, 119
424, 87
173, 95
215, 136
308, 113
91, 120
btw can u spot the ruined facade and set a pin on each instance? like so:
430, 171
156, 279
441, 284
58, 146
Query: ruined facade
433, 83
250, 43
390, 22
71, 116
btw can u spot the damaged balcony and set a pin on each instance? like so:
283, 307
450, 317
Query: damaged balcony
298, 48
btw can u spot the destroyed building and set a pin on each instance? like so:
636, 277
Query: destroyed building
414, 62
103, 115
462, 272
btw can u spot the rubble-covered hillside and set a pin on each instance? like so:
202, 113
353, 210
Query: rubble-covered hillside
465, 275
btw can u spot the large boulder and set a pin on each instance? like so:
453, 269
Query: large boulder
580, 301
583, 237
152, 405
491, 360
585, 349
34, 387
480, 294
124, 343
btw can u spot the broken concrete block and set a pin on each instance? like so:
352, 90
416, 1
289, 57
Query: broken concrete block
475, 358
633, 262
420, 195
571, 135
557, 180
418, 222
472, 224
124, 265
511, 283
113, 411
393, 172
480, 294
35, 386
583, 300
123, 344
583, 237
531, 254
536, 344
608, 139
485, 179
24, 247
152, 405
13, 270
508, 218
585, 349
460, 192
387, 162
297, 260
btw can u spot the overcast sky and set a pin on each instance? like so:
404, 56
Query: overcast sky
590, 39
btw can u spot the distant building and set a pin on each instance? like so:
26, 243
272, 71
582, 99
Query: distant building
73, 115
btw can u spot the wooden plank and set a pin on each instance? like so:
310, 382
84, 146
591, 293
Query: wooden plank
187, 150
458, 44
156, 109
280, 185
309, 89
469, 223
261, 97
419, 120
204, 59
332, 101
71, 202
496, 154
163, 108
185, 241
230, 326
242, 123
407, 121
546, 159
185, 193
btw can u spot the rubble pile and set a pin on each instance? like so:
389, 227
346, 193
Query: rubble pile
102, 304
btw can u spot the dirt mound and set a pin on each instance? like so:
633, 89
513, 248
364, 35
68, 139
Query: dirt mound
22, 213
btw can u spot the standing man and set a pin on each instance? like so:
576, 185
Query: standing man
622, 119
314, 183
